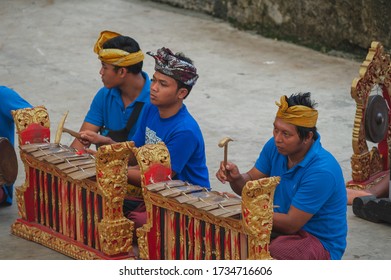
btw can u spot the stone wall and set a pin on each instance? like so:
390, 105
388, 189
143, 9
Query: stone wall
342, 25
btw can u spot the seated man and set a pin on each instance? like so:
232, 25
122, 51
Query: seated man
167, 120
379, 190
310, 219
10, 100
116, 107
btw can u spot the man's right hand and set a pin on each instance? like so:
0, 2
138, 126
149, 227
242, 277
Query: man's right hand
228, 173
92, 137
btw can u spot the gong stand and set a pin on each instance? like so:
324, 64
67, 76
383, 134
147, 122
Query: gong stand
372, 123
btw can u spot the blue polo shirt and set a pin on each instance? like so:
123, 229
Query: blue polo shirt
184, 141
316, 186
9, 100
108, 110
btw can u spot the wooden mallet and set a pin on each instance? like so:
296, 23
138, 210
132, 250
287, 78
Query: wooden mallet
62, 129
224, 143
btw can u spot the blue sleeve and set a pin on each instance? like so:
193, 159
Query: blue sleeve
95, 114
11, 100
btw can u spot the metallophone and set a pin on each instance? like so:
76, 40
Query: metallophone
188, 222
72, 203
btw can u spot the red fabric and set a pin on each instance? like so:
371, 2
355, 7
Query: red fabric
156, 173
35, 133
138, 215
2, 195
299, 246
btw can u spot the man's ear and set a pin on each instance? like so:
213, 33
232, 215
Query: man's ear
122, 71
309, 137
182, 93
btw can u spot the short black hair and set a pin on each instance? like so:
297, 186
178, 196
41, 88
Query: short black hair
129, 45
304, 99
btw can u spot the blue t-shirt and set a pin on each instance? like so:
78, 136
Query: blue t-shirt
9, 100
107, 108
183, 138
316, 186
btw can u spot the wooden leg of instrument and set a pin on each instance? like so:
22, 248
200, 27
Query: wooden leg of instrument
208, 242
190, 255
197, 240
227, 245
217, 243
72, 202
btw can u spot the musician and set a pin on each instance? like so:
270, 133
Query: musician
310, 218
9, 100
116, 107
166, 119
379, 190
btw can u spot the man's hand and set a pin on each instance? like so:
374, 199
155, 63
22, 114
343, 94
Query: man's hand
228, 173
89, 137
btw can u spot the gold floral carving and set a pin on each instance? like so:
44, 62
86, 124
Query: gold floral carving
374, 71
147, 156
257, 211
151, 154
52, 241
27, 116
257, 204
115, 231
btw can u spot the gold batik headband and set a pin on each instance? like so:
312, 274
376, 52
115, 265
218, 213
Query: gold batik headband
115, 57
297, 115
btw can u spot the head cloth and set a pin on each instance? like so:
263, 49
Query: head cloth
169, 64
115, 57
297, 115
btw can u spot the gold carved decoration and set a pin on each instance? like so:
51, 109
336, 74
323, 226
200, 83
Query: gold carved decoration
374, 71
115, 231
147, 156
27, 116
109, 235
257, 211
256, 223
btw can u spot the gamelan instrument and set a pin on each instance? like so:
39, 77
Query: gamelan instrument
372, 94
72, 202
187, 222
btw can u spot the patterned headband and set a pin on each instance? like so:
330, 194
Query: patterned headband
169, 64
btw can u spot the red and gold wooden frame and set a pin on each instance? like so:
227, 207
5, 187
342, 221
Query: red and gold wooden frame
79, 218
370, 166
180, 231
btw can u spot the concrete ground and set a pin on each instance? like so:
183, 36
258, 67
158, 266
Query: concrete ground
46, 55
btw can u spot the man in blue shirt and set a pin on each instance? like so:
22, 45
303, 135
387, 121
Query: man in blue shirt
166, 119
310, 221
9, 100
115, 108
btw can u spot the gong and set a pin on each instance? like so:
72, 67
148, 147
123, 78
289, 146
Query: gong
8, 162
376, 119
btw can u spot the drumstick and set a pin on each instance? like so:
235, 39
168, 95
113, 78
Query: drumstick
72, 132
224, 143
62, 129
